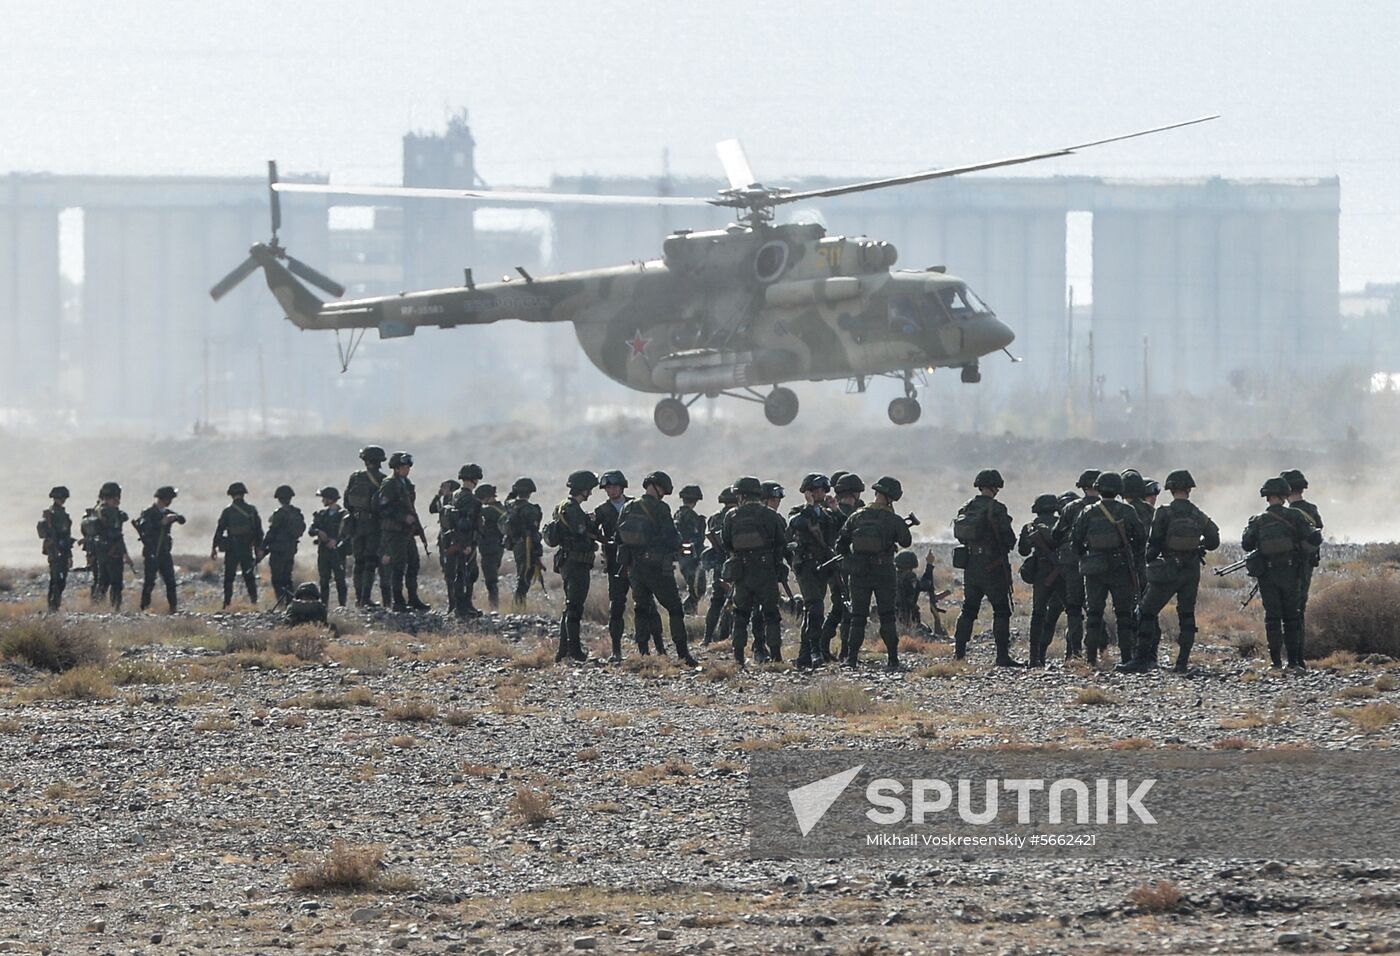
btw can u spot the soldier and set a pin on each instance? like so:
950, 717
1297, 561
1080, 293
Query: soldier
328, 529
983, 529
847, 488
718, 616
285, 527
87, 528
1044, 570
56, 530
411, 570
907, 588
811, 530
110, 542
755, 537
360, 490
393, 505
1109, 539
648, 548
449, 556
239, 536
1280, 539
1297, 484
306, 606
471, 525
690, 525
1177, 540
1154, 489
153, 528
490, 545
1135, 494
1069, 560
868, 541
521, 528
574, 532
605, 518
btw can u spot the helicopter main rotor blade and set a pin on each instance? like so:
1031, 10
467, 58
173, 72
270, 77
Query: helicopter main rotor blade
736, 164
225, 285
503, 197
973, 167
321, 281
274, 201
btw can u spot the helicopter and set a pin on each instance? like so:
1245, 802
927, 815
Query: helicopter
723, 312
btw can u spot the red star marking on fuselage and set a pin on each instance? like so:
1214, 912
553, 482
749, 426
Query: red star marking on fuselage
637, 344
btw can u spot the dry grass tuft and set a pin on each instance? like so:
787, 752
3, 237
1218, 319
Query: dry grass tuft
487, 647
411, 711
403, 741
531, 806
1360, 614
129, 673
1386, 683
668, 771
1094, 697
651, 665
347, 869
533, 658
305, 643
368, 659
459, 718
1362, 692
721, 670
1132, 743
829, 698
943, 669
1231, 743
1162, 896
216, 725
1246, 645
1369, 718
51, 643
85, 682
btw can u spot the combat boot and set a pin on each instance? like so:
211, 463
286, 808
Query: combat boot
1001, 632
576, 650
1183, 652
852, 658
683, 650
562, 650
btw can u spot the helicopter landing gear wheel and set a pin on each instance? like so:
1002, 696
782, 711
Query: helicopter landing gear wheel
671, 416
781, 406
905, 411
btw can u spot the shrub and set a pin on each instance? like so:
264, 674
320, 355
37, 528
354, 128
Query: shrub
1159, 897
1094, 697
305, 643
829, 698
1246, 645
949, 668
127, 673
343, 868
51, 644
531, 806
1370, 717
1361, 615
411, 711
85, 682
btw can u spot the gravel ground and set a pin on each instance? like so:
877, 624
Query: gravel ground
524, 807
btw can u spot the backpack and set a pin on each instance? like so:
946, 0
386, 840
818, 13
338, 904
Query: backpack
1103, 533
967, 528
867, 537
636, 526
238, 521
359, 493
746, 531
550, 533
144, 528
1276, 537
1183, 534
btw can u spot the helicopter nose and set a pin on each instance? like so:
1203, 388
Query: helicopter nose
986, 334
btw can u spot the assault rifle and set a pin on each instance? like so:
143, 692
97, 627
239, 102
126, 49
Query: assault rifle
1236, 566
910, 520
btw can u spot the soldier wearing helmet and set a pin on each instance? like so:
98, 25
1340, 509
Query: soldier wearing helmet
306, 606
690, 525
109, 522
1068, 559
1177, 541
605, 516
648, 548
521, 530
755, 537
811, 531
1280, 539
719, 618
398, 523
239, 536
285, 526
358, 499
153, 526
908, 586
449, 557
328, 531
985, 537
490, 546
1109, 540
56, 531
1044, 572
460, 520
868, 541
846, 487
574, 533
1297, 484
1135, 494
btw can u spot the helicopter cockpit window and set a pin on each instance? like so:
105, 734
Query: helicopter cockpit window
958, 301
905, 314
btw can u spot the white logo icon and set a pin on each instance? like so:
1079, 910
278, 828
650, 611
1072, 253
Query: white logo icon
810, 802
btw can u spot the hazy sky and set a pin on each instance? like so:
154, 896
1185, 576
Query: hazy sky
820, 86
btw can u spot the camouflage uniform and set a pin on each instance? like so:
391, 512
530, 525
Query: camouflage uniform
868, 541
755, 538
1044, 570
812, 529
1109, 540
847, 487
451, 557
328, 530
238, 535
1134, 493
111, 551
358, 498
306, 606
1279, 539
153, 527
394, 508
1069, 563
1297, 484
520, 526
648, 549
466, 541
605, 518
87, 528
56, 530
690, 526
719, 618
907, 587
983, 527
285, 527
490, 545
576, 536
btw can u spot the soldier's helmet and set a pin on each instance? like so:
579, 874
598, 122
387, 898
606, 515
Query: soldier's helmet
748, 487
308, 592
837, 475
582, 481
372, 454
109, 489
58, 491
522, 486
1133, 484
906, 560
1087, 478
889, 487
727, 496
329, 492
848, 484
166, 492
692, 493
773, 489
237, 488
988, 478
661, 480
1046, 504
485, 491
1296, 480
1275, 486
452, 485
613, 477
470, 472
1179, 480
398, 459
1109, 483
1154, 488
1067, 497
284, 493
815, 482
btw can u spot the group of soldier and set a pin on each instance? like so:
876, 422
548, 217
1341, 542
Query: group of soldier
1106, 541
